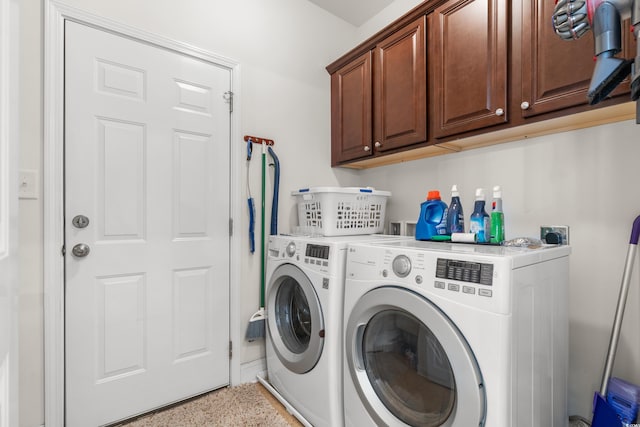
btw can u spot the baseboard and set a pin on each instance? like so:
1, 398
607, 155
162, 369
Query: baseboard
249, 371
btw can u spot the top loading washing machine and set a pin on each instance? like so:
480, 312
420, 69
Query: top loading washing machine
444, 334
304, 299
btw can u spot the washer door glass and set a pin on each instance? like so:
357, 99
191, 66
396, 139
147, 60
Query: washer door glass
408, 369
294, 315
410, 364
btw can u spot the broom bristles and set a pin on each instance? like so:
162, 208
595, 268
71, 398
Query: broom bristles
256, 328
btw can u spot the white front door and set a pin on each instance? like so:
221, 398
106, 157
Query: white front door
147, 214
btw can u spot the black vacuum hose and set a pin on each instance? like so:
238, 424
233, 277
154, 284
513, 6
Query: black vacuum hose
276, 186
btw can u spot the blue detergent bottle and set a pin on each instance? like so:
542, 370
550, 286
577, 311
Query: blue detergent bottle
480, 222
433, 217
455, 215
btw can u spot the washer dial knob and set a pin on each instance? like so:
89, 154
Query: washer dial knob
291, 249
401, 266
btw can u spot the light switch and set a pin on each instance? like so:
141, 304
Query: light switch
28, 184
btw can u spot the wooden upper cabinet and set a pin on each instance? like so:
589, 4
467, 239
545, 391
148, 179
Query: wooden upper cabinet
400, 89
379, 99
351, 125
468, 57
456, 69
554, 74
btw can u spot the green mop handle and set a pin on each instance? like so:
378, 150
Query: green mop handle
262, 242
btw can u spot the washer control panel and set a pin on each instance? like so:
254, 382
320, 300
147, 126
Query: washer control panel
465, 271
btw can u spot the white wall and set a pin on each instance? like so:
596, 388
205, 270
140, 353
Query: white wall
282, 47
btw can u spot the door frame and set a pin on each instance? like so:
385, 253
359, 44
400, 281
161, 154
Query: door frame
9, 217
56, 13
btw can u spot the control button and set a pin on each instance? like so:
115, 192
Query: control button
439, 285
325, 264
385, 273
291, 249
468, 290
419, 279
306, 260
454, 287
485, 292
401, 266
325, 283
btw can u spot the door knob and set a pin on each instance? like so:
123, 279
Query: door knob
80, 221
366, 148
499, 112
81, 250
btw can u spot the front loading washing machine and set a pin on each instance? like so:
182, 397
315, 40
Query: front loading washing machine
304, 299
444, 334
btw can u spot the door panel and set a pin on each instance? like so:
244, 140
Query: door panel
556, 73
468, 52
400, 106
351, 118
147, 162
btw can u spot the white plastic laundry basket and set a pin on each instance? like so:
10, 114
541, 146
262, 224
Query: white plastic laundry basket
341, 211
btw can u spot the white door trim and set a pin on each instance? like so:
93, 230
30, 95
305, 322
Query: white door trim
56, 13
9, 164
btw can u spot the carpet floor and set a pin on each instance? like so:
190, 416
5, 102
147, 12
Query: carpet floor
244, 405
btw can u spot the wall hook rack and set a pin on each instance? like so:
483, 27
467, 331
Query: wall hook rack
258, 140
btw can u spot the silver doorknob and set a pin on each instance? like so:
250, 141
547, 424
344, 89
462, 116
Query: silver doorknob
499, 112
367, 148
81, 250
80, 221
524, 105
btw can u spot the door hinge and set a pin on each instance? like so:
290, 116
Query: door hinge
228, 96
230, 349
63, 250
230, 227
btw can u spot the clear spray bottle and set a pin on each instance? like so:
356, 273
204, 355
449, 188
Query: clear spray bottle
455, 216
497, 216
479, 224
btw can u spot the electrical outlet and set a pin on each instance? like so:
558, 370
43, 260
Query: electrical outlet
395, 228
562, 230
410, 228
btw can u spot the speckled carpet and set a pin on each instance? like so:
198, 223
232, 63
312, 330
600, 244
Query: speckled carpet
244, 405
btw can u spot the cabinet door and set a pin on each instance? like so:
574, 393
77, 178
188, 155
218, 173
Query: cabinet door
556, 73
468, 57
400, 88
351, 125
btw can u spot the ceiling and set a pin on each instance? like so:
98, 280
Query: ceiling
355, 12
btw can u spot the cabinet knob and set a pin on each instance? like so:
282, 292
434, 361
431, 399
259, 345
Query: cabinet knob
524, 105
377, 144
367, 148
499, 112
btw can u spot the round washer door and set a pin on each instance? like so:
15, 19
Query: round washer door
294, 319
410, 364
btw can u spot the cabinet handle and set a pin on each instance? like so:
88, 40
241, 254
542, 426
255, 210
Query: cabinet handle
524, 105
367, 148
499, 112
377, 144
